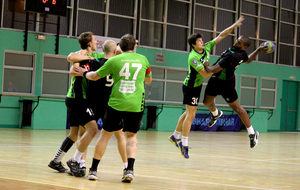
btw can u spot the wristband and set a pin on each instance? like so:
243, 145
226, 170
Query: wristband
84, 74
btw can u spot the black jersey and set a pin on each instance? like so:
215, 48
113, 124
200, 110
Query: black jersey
229, 61
99, 91
79, 85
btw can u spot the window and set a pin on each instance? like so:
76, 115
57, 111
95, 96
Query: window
165, 24
18, 74
268, 93
211, 18
260, 25
110, 20
56, 79
166, 85
248, 92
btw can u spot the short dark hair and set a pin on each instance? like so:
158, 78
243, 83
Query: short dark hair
246, 41
193, 38
85, 38
127, 42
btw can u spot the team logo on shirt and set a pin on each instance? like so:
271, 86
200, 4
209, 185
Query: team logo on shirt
195, 62
87, 66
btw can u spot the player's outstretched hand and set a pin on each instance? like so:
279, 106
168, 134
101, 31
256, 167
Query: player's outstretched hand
238, 23
79, 70
263, 48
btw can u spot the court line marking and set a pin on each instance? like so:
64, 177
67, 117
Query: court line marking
42, 183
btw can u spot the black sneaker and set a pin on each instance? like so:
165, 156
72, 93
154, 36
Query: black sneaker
57, 166
254, 139
213, 118
74, 168
127, 176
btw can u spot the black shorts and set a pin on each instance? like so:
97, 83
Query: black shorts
79, 111
191, 95
131, 121
225, 88
99, 110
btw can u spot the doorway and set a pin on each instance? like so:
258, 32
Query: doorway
289, 106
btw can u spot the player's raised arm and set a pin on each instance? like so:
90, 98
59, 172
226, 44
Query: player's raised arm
252, 56
228, 30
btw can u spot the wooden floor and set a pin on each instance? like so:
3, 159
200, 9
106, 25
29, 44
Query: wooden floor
218, 160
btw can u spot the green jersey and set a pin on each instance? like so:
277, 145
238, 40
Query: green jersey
128, 71
79, 85
97, 55
195, 61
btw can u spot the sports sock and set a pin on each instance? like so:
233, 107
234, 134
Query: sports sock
130, 163
82, 163
59, 155
176, 134
185, 141
95, 164
77, 156
65, 147
250, 130
125, 165
216, 112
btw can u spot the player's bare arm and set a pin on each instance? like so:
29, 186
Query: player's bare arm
92, 75
228, 30
75, 57
204, 73
213, 69
252, 56
148, 80
72, 72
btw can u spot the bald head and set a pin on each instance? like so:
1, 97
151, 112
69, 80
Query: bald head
109, 48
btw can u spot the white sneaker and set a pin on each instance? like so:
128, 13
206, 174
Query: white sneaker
92, 175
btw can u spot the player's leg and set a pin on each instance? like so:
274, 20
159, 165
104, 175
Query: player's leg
253, 135
191, 96
83, 158
87, 119
121, 140
213, 88
132, 122
99, 152
111, 123
186, 128
66, 145
231, 98
175, 137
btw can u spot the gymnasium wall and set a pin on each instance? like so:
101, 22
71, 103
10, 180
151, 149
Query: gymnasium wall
51, 113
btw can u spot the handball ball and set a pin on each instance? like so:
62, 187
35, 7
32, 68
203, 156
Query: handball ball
271, 46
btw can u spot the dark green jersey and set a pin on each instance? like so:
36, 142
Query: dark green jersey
195, 62
79, 85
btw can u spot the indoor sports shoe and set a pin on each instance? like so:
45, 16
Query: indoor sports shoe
254, 139
74, 167
57, 166
213, 119
173, 140
92, 175
127, 176
184, 150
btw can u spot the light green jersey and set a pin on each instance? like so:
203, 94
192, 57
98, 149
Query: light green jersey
195, 62
128, 71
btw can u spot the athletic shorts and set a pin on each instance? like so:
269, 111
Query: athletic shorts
115, 120
79, 112
191, 95
225, 88
99, 110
